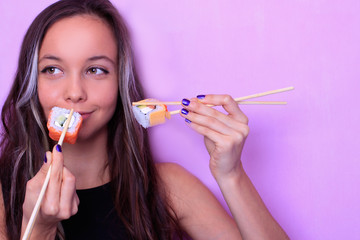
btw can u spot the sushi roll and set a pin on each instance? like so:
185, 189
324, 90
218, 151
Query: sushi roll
150, 115
56, 122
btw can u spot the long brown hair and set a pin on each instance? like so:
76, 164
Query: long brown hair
139, 199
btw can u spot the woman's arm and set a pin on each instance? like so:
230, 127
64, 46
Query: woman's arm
224, 136
200, 214
250, 213
3, 234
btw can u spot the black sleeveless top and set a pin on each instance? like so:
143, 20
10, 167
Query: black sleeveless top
96, 217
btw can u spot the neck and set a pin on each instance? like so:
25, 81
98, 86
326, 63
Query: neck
87, 160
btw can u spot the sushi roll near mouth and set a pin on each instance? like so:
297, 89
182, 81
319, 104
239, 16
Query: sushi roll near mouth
150, 115
56, 122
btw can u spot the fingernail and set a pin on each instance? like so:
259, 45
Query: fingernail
187, 120
200, 96
185, 102
184, 111
58, 148
45, 158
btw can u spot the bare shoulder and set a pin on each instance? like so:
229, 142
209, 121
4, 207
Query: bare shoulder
195, 205
181, 187
2, 216
180, 184
174, 175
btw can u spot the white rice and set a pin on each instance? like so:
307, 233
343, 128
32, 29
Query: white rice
57, 111
142, 116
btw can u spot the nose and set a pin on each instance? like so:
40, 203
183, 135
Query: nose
75, 90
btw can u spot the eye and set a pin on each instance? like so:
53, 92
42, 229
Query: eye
97, 71
51, 70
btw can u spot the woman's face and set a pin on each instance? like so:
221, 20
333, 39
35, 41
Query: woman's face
78, 69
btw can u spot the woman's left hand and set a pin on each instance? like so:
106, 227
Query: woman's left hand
224, 134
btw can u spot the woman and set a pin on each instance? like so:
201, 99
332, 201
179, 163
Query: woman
77, 54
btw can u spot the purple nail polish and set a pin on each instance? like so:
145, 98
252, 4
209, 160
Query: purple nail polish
187, 120
200, 96
185, 102
58, 148
45, 158
184, 111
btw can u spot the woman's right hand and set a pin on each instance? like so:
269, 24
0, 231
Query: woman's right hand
60, 200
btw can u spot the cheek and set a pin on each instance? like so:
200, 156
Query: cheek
111, 100
107, 97
47, 98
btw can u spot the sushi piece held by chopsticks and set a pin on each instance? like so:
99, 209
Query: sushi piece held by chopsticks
56, 122
150, 115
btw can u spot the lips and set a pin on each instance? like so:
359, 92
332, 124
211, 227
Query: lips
85, 115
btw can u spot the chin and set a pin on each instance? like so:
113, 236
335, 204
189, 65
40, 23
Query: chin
87, 134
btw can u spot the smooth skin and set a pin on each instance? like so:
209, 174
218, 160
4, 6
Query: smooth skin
77, 62
224, 137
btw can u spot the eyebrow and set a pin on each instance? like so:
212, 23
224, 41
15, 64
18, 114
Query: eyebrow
94, 58
51, 57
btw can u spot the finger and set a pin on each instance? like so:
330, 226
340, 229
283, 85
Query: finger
223, 142
52, 196
76, 202
212, 113
228, 103
236, 130
210, 122
45, 167
76, 198
34, 185
214, 136
68, 193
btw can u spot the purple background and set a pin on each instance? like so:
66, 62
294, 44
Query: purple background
303, 157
